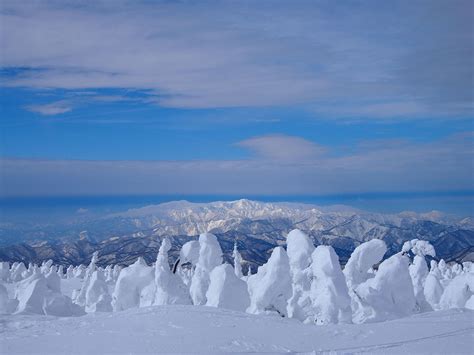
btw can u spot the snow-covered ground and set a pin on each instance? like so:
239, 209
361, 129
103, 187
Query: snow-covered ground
202, 329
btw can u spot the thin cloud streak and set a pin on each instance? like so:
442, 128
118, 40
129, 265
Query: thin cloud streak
381, 166
51, 109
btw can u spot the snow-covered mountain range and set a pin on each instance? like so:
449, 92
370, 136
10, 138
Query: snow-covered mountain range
256, 226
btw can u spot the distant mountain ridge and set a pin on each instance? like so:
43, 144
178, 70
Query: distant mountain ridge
257, 227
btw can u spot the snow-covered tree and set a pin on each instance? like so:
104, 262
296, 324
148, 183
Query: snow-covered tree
237, 262
169, 288
70, 272
330, 301
80, 298
388, 295
270, 288
131, 285
226, 290
18, 272
458, 292
4, 271
210, 256
299, 249
7, 305
41, 295
433, 290
362, 259
98, 298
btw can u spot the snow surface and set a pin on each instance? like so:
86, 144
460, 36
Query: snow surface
192, 329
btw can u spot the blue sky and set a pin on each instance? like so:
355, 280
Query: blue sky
236, 98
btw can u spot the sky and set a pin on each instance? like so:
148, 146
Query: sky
267, 98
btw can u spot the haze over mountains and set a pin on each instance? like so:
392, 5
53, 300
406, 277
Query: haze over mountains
257, 227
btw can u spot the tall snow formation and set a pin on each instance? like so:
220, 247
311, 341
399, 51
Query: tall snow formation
433, 290
169, 288
459, 292
299, 249
132, 284
7, 305
330, 301
360, 268
237, 262
419, 270
388, 295
4, 271
97, 297
270, 288
227, 290
362, 259
18, 271
418, 273
80, 298
210, 256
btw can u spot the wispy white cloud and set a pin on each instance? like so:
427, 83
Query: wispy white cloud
51, 109
283, 148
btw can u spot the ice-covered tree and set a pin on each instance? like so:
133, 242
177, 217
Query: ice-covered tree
7, 305
131, 284
419, 269
80, 298
18, 272
226, 290
80, 271
299, 250
433, 290
46, 266
41, 295
237, 262
388, 295
98, 298
4, 271
330, 301
70, 272
169, 288
458, 292
270, 288
210, 256
362, 259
